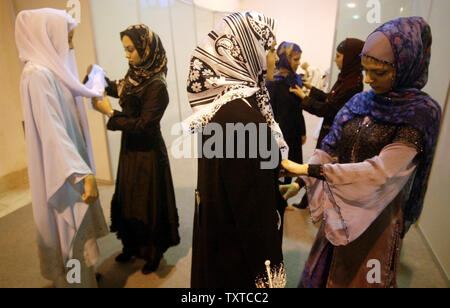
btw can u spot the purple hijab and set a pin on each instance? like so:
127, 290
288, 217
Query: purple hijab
410, 40
285, 52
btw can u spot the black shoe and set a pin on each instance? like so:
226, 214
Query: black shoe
150, 267
123, 258
98, 276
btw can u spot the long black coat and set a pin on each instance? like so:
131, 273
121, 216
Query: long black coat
287, 108
143, 209
236, 219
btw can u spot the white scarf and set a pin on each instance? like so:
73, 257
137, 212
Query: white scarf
229, 64
42, 38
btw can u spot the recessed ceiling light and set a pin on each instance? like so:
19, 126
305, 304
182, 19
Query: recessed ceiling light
356, 16
351, 5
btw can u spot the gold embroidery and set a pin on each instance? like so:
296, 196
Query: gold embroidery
274, 278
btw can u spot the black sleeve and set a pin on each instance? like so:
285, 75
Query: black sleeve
111, 89
314, 106
316, 171
154, 103
320, 106
318, 94
316, 103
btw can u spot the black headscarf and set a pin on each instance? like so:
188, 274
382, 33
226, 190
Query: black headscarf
153, 64
351, 75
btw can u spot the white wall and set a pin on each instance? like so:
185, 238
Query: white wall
12, 140
219, 5
434, 221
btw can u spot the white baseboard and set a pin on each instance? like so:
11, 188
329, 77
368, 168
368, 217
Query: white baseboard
435, 257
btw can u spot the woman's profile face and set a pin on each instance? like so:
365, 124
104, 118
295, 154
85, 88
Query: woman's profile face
339, 59
295, 61
379, 76
130, 51
70, 38
272, 59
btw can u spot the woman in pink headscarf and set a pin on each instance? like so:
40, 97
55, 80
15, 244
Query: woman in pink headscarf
67, 214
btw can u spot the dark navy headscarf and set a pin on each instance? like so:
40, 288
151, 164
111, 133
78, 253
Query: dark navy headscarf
286, 51
350, 77
410, 39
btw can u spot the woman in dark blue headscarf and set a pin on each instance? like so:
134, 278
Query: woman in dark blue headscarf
285, 104
369, 180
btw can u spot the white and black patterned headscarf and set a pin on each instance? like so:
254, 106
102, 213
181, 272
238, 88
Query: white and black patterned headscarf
231, 63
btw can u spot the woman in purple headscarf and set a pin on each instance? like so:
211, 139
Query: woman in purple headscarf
367, 183
286, 105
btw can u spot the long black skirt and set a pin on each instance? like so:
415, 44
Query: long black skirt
143, 208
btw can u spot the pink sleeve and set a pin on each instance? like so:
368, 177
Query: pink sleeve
354, 195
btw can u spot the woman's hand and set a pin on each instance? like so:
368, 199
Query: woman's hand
90, 190
103, 106
289, 191
298, 91
291, 169
307, 85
